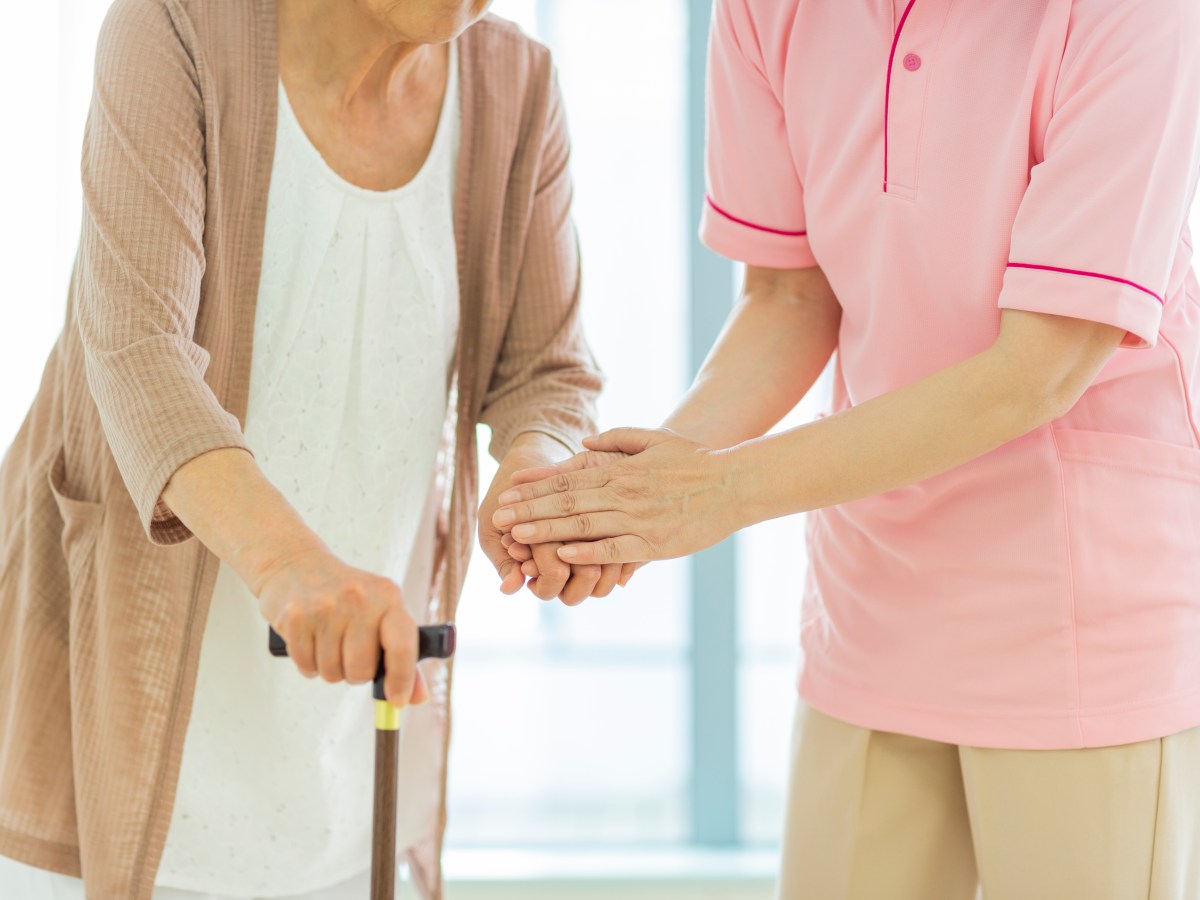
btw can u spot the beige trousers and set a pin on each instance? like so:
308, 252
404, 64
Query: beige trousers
879, 816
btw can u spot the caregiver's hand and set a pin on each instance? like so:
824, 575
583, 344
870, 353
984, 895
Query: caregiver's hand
669, 498
549, 575
589, 459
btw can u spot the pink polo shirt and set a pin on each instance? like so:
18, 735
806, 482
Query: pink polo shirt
941, 161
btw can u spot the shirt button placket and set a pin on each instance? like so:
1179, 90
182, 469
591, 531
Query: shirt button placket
906, 108
911, 61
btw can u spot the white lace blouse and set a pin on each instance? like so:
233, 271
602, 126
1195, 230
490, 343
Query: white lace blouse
353, 341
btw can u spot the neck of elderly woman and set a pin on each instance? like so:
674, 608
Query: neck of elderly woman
355, 51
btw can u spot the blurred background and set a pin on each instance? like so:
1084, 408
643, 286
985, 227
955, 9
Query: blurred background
638, 742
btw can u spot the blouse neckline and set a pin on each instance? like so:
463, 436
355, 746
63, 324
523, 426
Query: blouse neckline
288, 119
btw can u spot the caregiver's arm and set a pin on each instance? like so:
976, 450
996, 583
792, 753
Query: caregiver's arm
676, 496
1034, 373
774, 346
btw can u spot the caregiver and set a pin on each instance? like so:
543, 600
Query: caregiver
981, 207
335, 235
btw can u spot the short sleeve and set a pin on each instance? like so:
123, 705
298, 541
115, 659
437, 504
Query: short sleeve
1102, 220
754, 211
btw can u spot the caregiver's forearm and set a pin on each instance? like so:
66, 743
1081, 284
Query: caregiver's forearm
774, 346
927, 427
230, 506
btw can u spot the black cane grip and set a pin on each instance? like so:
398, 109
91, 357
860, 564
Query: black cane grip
433, 642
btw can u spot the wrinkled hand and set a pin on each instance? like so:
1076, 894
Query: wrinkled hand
549, 575
667, 498
335, 618
524, 554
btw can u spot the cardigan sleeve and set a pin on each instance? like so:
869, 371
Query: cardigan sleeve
546, 378
142, 258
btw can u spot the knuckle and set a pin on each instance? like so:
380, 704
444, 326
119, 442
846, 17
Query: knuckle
567, 502
397, 628
360, 664
624, 490
353, 601
323, 608
553, 567
295, 617
561, 483
585, 525
608, 549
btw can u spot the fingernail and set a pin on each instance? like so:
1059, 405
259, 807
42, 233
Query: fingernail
504, 517
568, 552
509, 497
522, 532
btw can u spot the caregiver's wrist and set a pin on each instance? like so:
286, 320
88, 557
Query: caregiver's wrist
698, 427
748, 485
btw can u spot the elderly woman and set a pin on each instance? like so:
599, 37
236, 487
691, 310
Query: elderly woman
1001, 621
322, 240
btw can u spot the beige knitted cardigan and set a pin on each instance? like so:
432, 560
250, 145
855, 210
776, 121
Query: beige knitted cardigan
100, 627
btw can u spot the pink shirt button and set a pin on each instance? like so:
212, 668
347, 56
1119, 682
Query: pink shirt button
912, 62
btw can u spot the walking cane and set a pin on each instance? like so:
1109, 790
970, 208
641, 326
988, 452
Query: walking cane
436, 642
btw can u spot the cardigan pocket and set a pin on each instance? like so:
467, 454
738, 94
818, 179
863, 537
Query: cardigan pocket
81, 526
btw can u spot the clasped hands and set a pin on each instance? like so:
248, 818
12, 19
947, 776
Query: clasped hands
583, 526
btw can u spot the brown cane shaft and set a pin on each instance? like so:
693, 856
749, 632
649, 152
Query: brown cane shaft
383, 851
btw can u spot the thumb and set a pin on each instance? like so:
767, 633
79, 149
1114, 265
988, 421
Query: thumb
420, 693
625, 440
509, 569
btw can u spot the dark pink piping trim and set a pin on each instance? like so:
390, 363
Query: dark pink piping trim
887, 94
732, 218
1132, 284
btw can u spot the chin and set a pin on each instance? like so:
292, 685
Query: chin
430, 21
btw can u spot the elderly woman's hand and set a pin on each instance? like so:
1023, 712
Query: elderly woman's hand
335, 618
668, 498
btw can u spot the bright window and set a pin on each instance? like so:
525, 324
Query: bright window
571, 725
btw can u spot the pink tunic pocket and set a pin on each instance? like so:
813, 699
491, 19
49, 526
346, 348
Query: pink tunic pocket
1133, 523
